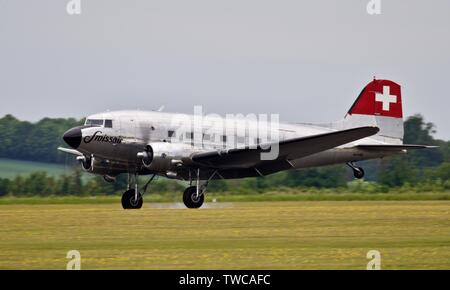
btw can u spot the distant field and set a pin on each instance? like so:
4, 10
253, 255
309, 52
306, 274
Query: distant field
244, 235
11, 168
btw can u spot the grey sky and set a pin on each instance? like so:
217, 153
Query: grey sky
306, 60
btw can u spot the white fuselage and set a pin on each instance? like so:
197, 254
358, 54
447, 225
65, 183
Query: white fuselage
115, 138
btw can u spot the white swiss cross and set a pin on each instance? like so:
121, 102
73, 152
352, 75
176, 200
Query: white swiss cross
386, 98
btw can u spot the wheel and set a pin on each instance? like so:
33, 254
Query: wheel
190, 198
129, 202
358, 172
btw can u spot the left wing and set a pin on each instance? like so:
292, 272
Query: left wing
288, 149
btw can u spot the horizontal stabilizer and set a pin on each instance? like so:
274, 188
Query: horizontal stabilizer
389, 147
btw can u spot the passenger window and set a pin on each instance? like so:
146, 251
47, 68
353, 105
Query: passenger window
108, 124
171, 133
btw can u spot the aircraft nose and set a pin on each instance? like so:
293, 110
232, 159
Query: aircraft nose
73, 137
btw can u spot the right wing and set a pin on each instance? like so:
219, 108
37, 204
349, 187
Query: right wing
288, 149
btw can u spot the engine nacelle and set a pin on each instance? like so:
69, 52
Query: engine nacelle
162, 156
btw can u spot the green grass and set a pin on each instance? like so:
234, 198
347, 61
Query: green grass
302, 196
11, 168
229, 197
244, 235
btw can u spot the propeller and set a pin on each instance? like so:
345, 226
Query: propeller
69, 164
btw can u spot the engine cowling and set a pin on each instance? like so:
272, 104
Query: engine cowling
97, 166
163, 156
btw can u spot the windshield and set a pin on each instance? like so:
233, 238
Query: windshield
94, 122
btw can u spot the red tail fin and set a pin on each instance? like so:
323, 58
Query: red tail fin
379, 98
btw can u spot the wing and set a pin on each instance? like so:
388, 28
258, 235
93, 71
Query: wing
288, 149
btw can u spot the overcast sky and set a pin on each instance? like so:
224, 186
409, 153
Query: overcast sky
306, 60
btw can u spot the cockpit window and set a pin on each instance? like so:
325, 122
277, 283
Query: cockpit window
108, 123
94, 122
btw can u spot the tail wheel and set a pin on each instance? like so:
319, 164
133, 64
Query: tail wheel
129, 201
190, 198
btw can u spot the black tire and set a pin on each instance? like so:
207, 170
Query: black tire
358, 172
128, 201
190, 199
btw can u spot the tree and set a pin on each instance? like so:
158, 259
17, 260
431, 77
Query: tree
410, 168
321, 177
4, 186
441, 172
33, 141
76, 183
17, 186
399, 171
417, 131
218, 185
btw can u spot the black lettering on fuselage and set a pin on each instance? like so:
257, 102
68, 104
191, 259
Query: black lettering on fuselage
102, 138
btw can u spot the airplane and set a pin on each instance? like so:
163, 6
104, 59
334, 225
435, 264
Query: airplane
153, 143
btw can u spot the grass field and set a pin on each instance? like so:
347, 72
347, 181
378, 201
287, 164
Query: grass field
11, 168
293, 195
244, 235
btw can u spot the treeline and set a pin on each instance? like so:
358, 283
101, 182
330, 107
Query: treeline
23, 140
419, 170
74, 183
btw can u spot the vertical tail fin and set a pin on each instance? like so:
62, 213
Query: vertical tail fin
379, 104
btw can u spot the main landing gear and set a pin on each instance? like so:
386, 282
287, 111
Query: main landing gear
358, 172
132, 198
191, 199
194, 196
129, 200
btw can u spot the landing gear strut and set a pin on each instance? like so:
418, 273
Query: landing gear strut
194, 196
358, 172
132, 198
